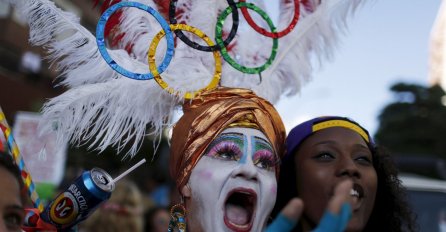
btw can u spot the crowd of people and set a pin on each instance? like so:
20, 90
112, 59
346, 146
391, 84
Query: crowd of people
233, 165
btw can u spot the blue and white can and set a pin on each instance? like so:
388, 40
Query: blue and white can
80, 199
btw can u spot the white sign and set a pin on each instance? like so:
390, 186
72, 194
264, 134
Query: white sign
44, 159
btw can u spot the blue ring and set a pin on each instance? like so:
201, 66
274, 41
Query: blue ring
103, 50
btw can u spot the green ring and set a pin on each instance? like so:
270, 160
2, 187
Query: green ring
224, 52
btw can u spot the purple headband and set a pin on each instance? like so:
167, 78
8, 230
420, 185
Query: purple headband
305, 129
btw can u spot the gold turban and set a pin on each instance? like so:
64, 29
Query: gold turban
206, 116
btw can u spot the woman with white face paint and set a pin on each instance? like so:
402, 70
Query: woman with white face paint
224, 157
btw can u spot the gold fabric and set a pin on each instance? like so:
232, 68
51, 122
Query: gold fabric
247, 121
206, 116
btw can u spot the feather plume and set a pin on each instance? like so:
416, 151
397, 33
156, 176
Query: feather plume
68, 44
106, 109
314, 39
113, 113
143, 27
190, 69
101, 106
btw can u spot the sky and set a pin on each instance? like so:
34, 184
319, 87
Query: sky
387, 42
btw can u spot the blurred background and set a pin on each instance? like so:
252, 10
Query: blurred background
389, 74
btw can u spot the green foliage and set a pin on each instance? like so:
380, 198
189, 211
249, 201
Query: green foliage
416, 122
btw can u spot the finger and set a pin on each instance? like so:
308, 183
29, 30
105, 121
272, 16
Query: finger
341, 196
288, 217
293, 209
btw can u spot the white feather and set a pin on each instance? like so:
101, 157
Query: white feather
141, 27
67, 42
287, 12
105, 109
102, 107
314, 39
114, 113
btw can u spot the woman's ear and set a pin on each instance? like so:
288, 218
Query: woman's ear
186, 191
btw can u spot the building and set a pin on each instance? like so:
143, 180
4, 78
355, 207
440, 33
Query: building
437, 60
26, 78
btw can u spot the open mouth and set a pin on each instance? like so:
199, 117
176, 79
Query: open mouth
239, 209
357, 191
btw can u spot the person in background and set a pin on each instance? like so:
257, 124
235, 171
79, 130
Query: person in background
324, 151
156, 219
123, 212
12, 199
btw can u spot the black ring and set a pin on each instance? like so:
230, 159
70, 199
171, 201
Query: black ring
180, 34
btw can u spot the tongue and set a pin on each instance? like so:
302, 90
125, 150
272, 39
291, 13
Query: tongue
237, 214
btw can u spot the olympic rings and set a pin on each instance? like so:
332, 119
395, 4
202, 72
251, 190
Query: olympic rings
224, 53
151, 58
103, 50
177, 28
273, 34
232, 33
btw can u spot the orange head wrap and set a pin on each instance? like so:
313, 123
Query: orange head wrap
208, 115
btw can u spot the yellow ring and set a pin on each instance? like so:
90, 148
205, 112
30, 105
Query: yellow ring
153, 69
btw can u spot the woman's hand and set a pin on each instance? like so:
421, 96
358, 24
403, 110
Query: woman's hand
335, 219
288, 217
338, 213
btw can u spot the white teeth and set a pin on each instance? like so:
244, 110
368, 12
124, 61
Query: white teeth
354, 193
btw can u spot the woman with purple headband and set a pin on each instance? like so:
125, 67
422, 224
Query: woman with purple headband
326, 151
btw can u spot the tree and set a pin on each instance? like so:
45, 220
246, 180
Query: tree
415, 124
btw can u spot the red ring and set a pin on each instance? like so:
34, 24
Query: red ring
264, 32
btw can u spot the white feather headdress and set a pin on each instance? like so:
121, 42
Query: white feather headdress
105, 109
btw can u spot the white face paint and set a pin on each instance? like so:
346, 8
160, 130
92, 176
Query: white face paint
233, 186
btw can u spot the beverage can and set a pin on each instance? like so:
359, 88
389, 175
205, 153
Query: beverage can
80, 199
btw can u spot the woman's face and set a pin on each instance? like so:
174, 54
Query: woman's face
11, 207
328, 157
233, 186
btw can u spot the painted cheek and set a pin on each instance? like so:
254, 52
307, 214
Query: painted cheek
273, 189
205, 175
269, 183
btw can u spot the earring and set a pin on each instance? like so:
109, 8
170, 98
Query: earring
177, 218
